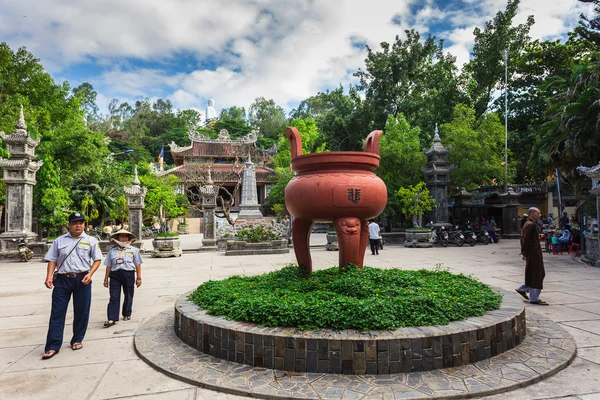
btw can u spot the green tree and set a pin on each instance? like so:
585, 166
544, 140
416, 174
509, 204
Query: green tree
415, 201
476, 148
411, 76
275, 201
485, 72
310, 137
268, 117
343, 119
119, 211
401, 158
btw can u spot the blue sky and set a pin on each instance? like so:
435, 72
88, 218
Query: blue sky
236, 50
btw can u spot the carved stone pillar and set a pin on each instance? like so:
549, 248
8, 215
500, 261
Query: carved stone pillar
209, 203
510, 215
135, 203
249, 207
19, 178
594, 174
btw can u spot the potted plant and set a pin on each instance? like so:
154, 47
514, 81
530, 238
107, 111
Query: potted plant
256, 239
332, 240
182, 226
166, 244
415, 201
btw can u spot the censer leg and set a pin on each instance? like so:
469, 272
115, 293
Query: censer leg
364, 241
348, 233
301, 230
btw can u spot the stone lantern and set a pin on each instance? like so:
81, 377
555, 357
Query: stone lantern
19, 177
209, 194
437, 178
592, 243
135, 203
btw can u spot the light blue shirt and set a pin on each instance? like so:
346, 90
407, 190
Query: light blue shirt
85, 250
125, 259
373, 230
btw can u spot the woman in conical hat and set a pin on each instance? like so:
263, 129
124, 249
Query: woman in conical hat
123, 263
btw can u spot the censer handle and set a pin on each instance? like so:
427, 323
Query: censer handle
372, 143
295, 141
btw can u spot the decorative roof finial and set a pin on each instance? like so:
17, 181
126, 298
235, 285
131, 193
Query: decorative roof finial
136, 181
436, 136
21, 122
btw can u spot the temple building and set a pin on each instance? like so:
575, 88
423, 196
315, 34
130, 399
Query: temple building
225, 158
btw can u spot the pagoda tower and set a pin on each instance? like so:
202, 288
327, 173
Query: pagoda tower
437, 178
19, 178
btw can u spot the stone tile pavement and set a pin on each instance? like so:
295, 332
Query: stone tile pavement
108, 367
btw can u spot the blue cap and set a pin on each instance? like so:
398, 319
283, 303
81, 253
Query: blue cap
76, 217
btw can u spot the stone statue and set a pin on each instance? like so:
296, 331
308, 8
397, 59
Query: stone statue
211, 113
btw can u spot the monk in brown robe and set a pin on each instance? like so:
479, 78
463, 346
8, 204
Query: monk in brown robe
534, 261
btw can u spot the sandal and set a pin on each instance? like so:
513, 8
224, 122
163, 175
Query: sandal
49, 354
539, 303
522, 293
127, 318
109, 323
76, 346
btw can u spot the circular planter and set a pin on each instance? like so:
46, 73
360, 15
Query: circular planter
350, 351
166, 247
332, 241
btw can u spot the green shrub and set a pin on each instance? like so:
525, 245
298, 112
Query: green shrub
165, 234
368, 298
256, 234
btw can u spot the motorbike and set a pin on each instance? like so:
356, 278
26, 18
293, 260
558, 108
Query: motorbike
483, 236
439, 236
470, 236
25, 253
456, 237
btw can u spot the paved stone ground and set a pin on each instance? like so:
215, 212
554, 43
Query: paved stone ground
108, 367
547, 349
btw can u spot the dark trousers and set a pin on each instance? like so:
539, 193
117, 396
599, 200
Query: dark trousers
120, 279
374, 245
61, 295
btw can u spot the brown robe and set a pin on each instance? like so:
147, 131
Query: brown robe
532, 250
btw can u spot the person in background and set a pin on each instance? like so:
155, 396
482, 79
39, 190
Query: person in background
75, 257
550, 221
123, 262
374, 237
524, 219
534, 260
490, 226
564, 221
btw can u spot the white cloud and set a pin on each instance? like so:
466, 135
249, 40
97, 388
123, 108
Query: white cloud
237, 50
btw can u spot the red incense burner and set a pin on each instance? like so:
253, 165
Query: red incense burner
339, 187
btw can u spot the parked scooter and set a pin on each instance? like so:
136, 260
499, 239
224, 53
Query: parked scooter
456, 237
483, 236
470, 236
439, 236
25, 253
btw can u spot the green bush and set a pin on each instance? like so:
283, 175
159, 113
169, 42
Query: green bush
165, 234
256, 234
368, 298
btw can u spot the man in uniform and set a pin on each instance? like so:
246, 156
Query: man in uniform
75, 256
534, 261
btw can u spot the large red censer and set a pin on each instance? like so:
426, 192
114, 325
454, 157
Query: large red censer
339, 187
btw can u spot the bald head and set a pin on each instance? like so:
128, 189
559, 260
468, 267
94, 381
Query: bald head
534, 213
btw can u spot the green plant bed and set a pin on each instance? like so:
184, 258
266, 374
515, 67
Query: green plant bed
365, 299
166, 234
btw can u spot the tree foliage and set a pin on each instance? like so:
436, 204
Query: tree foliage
413, 77
414, 201
475, 148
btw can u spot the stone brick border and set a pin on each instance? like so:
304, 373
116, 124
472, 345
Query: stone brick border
352, 352
547, 349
